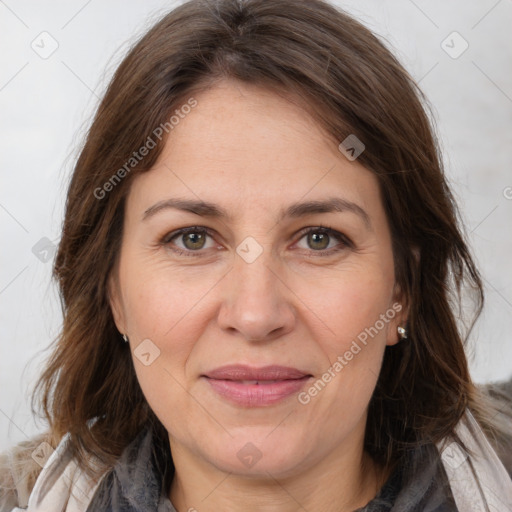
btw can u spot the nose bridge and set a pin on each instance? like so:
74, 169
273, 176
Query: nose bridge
254, 278
255, 302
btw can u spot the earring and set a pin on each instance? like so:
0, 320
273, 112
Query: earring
125, 338
402, 333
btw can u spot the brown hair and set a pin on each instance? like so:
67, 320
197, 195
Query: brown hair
351, 84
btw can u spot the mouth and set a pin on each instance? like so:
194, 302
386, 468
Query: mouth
256, 387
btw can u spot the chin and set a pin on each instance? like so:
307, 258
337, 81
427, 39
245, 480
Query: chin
248, 454
261, 469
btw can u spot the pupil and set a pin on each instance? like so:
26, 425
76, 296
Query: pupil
319, 237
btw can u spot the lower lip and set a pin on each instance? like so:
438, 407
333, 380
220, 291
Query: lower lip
257, 395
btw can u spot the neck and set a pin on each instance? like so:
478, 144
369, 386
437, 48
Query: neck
338, 483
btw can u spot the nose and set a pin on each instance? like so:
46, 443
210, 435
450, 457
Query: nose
256, 303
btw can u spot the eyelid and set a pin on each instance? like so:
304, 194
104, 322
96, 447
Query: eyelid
183, 231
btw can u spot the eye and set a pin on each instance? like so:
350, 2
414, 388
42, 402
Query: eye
189, 240
323, 240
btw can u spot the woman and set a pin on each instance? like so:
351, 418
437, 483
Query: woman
260, 267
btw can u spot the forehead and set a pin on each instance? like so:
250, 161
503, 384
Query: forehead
244, 145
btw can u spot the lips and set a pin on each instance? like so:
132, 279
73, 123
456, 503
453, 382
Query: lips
254, 387
247, 373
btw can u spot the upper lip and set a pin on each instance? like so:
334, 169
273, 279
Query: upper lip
245, 372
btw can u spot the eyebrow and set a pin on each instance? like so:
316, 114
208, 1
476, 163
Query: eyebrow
295, 210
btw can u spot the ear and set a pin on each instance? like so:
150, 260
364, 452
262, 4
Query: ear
398, 313
401, 306
116, 306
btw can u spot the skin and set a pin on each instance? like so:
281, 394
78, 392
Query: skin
254, 153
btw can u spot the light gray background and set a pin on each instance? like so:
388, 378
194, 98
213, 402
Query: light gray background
46, 104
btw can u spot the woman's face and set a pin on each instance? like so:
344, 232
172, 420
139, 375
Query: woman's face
250, 174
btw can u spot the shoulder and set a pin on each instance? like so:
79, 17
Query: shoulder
19, 471
500, 397
35, 473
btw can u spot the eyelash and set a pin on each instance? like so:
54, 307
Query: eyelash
345, 242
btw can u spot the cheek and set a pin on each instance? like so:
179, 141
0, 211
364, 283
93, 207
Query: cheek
355, 309
158, 297
349, 302
166, 309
